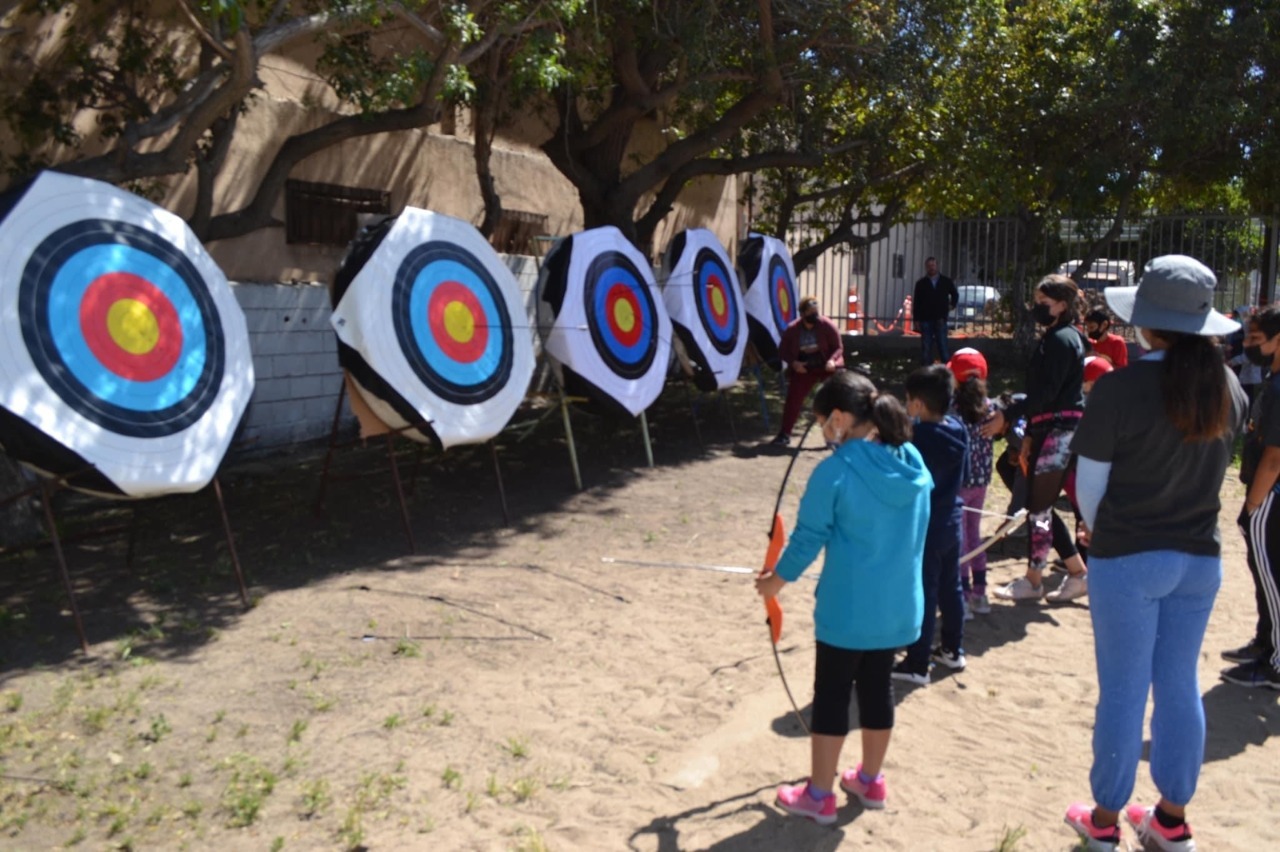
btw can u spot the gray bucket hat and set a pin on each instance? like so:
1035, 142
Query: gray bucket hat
1175, 293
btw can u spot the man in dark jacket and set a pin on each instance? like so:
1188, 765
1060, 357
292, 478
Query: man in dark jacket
935, 296
812, 349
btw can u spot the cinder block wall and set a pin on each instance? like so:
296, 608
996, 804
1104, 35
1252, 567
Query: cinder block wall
295, 361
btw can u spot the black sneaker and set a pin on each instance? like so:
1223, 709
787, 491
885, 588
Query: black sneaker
953, 660
1257, 674
902, 671
1249, 653
781, 441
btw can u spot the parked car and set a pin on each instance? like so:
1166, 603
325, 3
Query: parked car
1102, 273
976, 301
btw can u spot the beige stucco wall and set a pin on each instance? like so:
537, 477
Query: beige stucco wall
425, 168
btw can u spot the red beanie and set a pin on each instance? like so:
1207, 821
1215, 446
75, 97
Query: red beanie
967, 362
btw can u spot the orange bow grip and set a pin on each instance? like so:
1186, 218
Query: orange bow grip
773, 609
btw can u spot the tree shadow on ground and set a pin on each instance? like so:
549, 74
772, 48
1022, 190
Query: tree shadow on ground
179, 590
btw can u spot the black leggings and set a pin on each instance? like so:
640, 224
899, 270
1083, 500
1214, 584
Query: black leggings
837, 673
1013, 479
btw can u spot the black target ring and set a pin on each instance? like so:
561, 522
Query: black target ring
145, 412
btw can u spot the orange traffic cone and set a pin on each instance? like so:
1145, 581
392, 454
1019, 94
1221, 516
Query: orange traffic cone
908, 327
854, 322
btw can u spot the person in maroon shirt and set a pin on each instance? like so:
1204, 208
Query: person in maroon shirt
1097, 325
812, 350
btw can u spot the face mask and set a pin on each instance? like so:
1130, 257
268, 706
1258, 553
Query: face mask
1097, 335
1043, 314
810, 319
1256, 356
1142, 339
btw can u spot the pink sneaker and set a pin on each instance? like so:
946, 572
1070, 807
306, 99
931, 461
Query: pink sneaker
1096, 838
1152, 833
871, 795
795, 799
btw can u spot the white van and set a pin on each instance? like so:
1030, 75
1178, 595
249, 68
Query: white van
1102, 273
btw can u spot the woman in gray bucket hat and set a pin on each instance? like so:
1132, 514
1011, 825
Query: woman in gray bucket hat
1152, 449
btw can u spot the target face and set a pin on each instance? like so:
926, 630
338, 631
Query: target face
452, 322
124, 356
717, 301
430, 324
621, 313
782, 293
120, 325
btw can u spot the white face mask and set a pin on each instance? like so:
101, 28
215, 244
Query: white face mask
1142, 339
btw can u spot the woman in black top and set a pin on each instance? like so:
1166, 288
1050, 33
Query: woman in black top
1052, 408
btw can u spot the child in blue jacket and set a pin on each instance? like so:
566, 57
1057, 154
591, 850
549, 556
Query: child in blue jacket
868, 505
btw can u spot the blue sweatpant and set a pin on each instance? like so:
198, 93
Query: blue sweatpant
1149, 615
940, 568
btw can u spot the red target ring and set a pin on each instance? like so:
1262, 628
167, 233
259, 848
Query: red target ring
131, 326
718, 299
458, 323
622, 310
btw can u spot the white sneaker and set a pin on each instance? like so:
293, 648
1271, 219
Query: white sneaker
1020, 590
1075, 586
980, 604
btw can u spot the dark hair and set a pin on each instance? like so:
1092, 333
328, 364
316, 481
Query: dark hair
1098, 315
932, 386
1268, 320
1193, 385
1061, 288
854, 394
971, 400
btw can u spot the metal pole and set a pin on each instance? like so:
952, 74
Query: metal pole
568, 434
502, 492
328, 456
46, 499
404, 509
648, 446
231, 542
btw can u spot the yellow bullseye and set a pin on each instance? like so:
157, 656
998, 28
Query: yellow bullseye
459, 322
624, 315
717, 301
133, 326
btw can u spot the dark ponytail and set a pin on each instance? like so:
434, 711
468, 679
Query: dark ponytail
971, 400
1063, 288
1193, 385
855, 394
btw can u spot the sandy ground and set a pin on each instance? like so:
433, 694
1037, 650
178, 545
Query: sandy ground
506, 689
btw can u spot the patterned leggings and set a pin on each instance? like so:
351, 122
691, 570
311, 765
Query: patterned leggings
1050, 461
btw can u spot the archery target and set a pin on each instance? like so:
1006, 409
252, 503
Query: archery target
701, 294
608, 327
771, 299
456, 357
123, 341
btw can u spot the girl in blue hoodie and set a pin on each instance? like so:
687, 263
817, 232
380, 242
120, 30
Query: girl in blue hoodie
868, 505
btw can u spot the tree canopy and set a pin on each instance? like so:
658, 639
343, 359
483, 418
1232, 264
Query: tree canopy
849, 114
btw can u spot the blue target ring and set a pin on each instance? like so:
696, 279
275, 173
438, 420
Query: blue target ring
55, 281
782, 293
621, 314
467, 371
719, 317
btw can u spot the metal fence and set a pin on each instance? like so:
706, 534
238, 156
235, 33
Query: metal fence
980, 255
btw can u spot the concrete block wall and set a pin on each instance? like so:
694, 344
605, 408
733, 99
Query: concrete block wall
295, 360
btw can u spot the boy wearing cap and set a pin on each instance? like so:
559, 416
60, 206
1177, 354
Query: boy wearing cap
812, 350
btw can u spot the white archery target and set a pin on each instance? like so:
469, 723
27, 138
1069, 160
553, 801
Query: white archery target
120, 339
438, 316
611, 327
771, 298
702, 296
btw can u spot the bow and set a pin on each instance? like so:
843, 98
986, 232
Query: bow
1014, 521
773, 609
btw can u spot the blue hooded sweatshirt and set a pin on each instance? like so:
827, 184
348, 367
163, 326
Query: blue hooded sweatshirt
868, 505
944, 446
